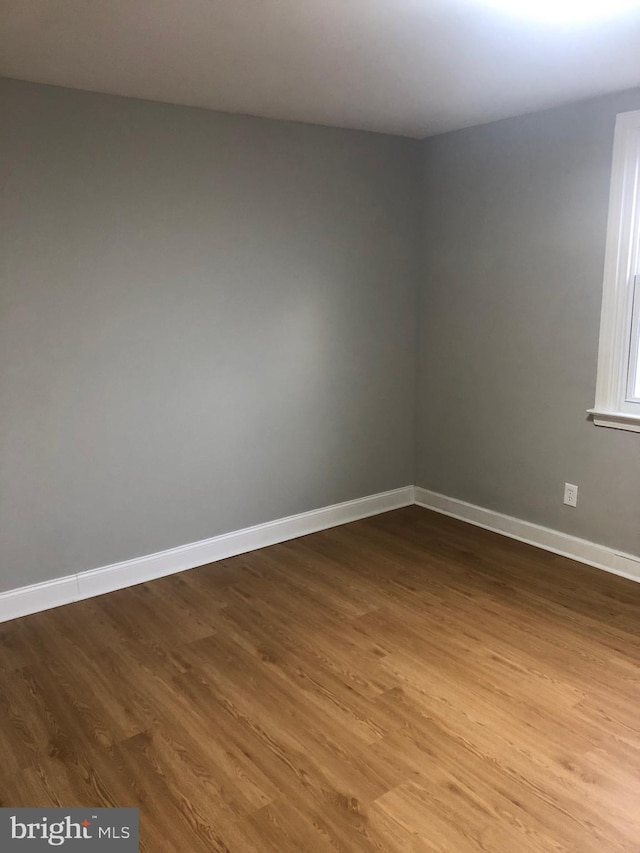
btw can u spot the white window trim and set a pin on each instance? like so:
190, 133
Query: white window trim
614, 406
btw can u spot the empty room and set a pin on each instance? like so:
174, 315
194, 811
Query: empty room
320, 426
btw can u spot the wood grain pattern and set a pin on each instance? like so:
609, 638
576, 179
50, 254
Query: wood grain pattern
403, 683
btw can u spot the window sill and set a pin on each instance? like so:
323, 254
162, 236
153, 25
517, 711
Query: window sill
615, 420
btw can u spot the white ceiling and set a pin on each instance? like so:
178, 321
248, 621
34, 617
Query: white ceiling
411, 67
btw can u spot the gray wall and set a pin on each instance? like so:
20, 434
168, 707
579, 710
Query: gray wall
514, 235
206, 322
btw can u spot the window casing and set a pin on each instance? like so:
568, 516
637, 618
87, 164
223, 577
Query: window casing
617, 401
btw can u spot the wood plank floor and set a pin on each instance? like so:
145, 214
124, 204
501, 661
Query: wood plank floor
403, 683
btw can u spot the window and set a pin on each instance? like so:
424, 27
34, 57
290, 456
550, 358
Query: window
618, 381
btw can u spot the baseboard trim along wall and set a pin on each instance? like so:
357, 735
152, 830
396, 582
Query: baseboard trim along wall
600, 556
42, 596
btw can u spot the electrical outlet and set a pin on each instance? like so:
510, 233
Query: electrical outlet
570, 494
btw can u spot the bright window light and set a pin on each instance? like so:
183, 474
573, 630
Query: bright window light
617, 402
565, 11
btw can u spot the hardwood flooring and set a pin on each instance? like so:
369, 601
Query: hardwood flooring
403, 683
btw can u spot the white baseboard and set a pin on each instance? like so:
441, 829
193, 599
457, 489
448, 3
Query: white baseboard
600, 556
42, 596
38, 596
